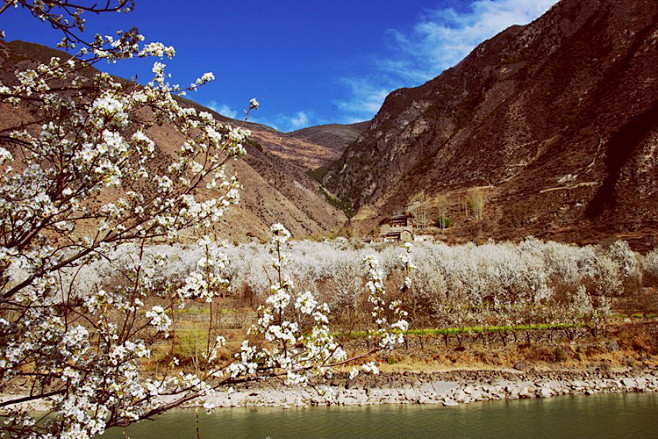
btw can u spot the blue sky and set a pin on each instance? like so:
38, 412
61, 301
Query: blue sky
307, 62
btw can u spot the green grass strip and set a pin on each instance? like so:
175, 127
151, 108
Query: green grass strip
471, 330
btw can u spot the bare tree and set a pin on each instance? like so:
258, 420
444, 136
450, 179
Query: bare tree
475, 202
420, 206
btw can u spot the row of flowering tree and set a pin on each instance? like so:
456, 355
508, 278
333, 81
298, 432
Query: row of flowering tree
81, 178
459, 286
453, 286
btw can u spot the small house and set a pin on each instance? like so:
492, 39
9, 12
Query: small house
404, 235
403, 220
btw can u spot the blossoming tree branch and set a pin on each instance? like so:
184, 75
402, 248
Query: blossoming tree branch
81, 177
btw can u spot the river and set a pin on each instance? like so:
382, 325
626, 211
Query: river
631, 415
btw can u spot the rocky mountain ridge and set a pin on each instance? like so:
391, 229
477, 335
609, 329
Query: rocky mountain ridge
554, 124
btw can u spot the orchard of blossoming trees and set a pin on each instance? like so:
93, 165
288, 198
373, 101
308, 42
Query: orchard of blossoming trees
76, 183
495, 284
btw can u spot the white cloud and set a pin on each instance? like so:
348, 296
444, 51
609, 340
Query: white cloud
443, 37
440, 39
285, 122
280, 122
366, 98
223, 109
299, 120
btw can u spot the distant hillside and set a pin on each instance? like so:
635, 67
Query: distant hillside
274, 189
334, 136
310, 148
555, 122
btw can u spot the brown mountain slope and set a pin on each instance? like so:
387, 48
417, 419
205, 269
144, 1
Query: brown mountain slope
334, 136
301, 152
556, 121
312, 147
274, 189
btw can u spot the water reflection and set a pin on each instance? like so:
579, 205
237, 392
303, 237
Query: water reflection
599, 416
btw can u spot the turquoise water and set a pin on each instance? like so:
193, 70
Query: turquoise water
599, 416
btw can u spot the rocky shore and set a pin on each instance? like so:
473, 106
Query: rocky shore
444, 388
449, 388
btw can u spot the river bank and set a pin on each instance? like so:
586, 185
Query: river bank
448, 388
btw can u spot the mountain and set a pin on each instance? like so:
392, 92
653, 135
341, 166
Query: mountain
310, 148
552, 125
333, 136
275, 189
